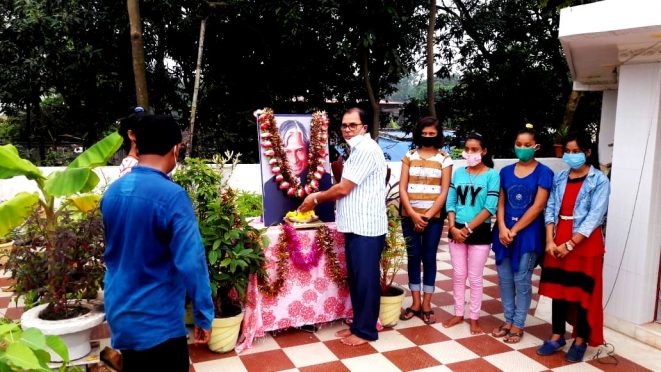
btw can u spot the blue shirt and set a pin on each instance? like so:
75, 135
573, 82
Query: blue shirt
469, 194
154, 256
520, 194
591, 202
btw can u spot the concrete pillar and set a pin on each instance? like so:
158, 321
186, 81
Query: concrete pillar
607, 127
633, 237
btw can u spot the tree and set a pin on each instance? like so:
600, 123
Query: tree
138, 52
512, 70
430, 58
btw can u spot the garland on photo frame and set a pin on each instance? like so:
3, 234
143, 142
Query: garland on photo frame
275, 153
289, 247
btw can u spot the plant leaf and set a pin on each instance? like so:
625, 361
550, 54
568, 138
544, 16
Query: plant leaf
6, 328
213, 257
11, 164
16, 210
22, 357
86, 203
71, 181
33, 338
99, 153
58, 346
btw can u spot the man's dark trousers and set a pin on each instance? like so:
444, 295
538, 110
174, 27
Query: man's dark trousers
363, 257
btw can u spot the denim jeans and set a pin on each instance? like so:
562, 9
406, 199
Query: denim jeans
421, 248
516, 288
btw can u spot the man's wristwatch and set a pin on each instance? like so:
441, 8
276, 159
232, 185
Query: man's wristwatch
569, 246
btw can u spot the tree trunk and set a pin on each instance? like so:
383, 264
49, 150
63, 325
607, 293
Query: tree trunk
373, 97
430, 58
570, 109
196, 88
138, 53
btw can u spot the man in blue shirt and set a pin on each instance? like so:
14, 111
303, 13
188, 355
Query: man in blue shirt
154, 257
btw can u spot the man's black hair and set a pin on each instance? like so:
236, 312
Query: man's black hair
157, 134
364, 119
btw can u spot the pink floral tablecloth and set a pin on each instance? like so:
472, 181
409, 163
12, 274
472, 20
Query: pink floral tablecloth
307, 297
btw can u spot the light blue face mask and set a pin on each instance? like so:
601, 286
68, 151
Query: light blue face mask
575, 161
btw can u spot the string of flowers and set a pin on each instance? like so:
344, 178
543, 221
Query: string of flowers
289, 248
275, 153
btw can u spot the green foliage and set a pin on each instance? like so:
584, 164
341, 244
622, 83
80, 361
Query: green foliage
394, 252
27, 350
516, 77
59, 255
232, 246
249, 204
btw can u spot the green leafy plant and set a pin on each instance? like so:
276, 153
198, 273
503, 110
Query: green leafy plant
60, 193
394, 251
75, 262
233, 247
26, 350
249, 204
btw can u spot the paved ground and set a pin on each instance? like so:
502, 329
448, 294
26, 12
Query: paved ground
411, 345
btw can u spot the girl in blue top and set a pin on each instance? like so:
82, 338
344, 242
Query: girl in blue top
472, 200
518, 237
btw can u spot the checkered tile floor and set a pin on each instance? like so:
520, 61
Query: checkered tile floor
410, 345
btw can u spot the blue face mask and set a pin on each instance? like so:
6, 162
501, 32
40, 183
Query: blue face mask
575, 161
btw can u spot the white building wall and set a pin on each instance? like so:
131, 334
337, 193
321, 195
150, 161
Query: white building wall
633, 237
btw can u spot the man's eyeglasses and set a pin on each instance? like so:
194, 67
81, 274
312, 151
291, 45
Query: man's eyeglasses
351, 126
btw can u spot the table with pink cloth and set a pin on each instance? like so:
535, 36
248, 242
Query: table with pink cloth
307, 297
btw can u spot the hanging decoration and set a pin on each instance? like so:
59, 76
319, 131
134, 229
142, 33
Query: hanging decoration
289, 248
274, 151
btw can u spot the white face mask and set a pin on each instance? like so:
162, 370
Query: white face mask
355, 140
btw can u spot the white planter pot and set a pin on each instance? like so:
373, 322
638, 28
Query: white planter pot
75, 332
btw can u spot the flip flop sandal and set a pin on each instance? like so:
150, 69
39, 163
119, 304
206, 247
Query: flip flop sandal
513, 337
427, 317
502, 331
409, 313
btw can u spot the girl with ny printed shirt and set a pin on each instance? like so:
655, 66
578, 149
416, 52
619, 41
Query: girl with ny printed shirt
518, 237
472, 200
423, 189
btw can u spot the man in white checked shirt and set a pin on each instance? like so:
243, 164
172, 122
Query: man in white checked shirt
361, 216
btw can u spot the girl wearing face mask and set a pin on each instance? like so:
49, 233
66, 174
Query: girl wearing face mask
127, 128
423, 189
472, 200
573, 264
518, 237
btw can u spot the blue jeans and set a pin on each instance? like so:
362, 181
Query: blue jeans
421, 248
516, 288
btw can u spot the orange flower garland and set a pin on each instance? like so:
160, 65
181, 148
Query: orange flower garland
275, 153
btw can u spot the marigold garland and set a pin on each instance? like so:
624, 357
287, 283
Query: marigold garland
288, 246
275, 154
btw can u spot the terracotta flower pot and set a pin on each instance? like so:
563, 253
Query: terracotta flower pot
557, 147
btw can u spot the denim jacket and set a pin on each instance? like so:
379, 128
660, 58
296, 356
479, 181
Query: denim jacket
591, 202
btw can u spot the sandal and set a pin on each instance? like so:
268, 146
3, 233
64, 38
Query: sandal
429, 317
513, 337
409, 313
501, 331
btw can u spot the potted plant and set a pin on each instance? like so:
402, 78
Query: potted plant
392, 259
558, 136
57, 260
233, 247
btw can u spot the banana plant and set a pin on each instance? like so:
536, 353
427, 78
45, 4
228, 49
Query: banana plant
69, 184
